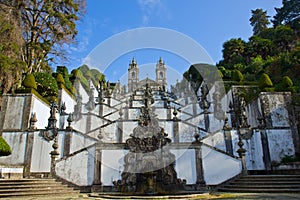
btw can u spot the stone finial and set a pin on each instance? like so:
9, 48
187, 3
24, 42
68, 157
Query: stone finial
63, 109
70, 120
226, 126
33, 121
121, 112
175, 113
196, 136
261, 121
52, 119
168, 103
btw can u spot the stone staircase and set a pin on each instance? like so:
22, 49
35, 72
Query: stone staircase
263, 184
34, 187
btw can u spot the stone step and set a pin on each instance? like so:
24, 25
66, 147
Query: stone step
266, 182
264, 190
34, 187
52, 185
264, 177
261, 186
263, 183
41, 193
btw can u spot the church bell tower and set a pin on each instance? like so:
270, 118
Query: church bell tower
161, 76
133, 75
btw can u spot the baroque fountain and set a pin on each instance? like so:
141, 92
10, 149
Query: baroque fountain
149, 166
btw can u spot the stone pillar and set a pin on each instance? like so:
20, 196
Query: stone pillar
54, 154
228, 141
126, 113
88, 122
101, 109
197, 144
199, 165
120, 131
97, 185
227, 135
67, 143
242, 155
28, 154
194, 108
108, 99
175, 126
169, 113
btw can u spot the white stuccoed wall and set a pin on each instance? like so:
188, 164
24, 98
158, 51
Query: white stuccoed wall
69, 101
79, 141
15, 112
78, 169
17, 142
112, 165
254, 153
42, 111
219, 167
216, 140
185, 165
280, 144
40, 159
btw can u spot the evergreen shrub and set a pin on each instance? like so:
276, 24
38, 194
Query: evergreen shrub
5, 149
29, 82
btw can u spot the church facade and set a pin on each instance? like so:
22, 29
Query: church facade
134, 81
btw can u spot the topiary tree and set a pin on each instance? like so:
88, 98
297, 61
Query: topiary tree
287, 84
265, 84
63, 70
237, 75
5, 149
60, 79
29, 82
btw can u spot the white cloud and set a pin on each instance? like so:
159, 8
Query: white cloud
152, 8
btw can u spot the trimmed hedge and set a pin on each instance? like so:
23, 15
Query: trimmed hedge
265, 84
5, 149
60, 79
29, 82
237, 75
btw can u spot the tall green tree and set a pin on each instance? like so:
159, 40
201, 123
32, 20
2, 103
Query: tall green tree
46, 26
233, 53
289, 14
259, 21
11, 65
258, 46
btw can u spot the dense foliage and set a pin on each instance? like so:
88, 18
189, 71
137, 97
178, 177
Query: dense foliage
46, 85
11, 65
84, 74
274, 50
32, 34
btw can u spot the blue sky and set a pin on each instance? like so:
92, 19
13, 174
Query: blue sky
209, 22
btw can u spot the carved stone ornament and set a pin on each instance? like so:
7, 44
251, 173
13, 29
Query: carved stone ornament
49, 134
148, 162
